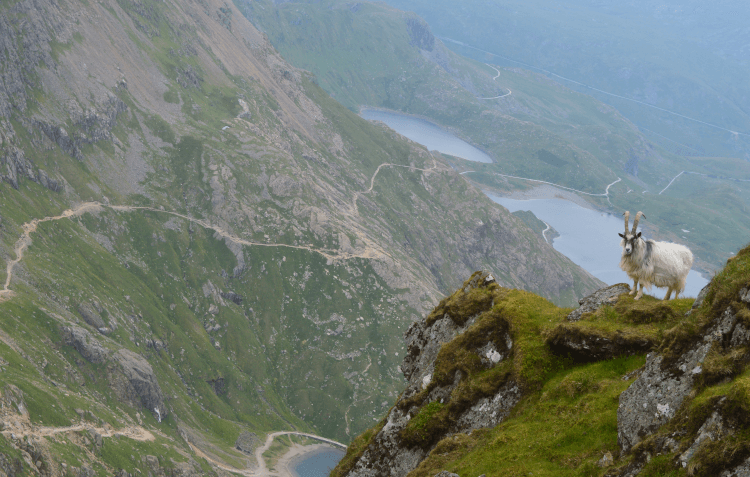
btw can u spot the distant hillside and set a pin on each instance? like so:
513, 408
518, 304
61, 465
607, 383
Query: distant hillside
689, 57
370, 54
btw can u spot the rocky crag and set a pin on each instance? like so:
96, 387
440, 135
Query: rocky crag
502, 384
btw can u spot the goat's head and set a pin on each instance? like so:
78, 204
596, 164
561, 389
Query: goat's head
630, 238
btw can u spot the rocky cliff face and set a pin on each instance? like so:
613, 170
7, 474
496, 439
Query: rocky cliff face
469, 407
690, 400
438, 386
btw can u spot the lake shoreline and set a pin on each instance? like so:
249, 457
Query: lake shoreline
579, 226
449, 133
289, 462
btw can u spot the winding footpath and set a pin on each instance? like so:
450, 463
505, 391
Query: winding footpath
262, 469
736, 133
354, 399
605, 194
28, 228
495, 79
372, 179
544, 232
136, 433
704, 175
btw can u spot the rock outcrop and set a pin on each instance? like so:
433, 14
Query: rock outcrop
604, 296
130, 375
141, 385
691, 401
406, 436
247, 442
654, 398
84, 343
91, 316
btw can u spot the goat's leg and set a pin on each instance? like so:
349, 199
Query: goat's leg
640, 293
635, 286
669, 294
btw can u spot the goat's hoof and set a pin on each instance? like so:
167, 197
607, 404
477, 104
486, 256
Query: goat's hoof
638, 297
631, 292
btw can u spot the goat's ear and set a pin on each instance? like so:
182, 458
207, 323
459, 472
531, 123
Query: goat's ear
638, 236
621, 235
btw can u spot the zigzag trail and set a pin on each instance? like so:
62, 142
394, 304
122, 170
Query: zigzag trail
23, 243
262, 470
28, 228
18, 426
495, 79
135, 432
372, 179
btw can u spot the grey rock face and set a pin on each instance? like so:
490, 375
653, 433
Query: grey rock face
91, 316
655, 396
604, 296
742, 470
699, 299
84, 343
247, 442
445, 473
744, 295
423, 344
420, 34
489, 412
142, 379
713, 429
387, 455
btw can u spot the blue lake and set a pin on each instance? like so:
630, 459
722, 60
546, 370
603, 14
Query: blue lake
319, 464
430, 135
589, 238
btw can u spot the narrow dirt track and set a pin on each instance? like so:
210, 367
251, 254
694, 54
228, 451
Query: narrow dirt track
372, 179
495, 79
23, 243
262, 470
25, 429
28, 228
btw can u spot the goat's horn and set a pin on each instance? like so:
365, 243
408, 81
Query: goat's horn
627, 220
636, 220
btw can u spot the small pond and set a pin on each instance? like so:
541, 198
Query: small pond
318, 463
430, 135
589, 238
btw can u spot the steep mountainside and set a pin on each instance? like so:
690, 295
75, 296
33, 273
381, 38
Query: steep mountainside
203, 247
501, 382
369, 54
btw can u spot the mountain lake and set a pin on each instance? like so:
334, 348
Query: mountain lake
595, 247
589, 238
430, 135
318, 463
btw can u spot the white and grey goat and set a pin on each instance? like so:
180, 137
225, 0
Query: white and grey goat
648, 262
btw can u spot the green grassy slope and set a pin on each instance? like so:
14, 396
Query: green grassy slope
567, 421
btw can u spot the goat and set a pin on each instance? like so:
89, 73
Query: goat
648, 262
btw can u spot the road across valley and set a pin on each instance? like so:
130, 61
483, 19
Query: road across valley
495, 79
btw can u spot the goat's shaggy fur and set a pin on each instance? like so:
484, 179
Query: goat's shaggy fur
648, 262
